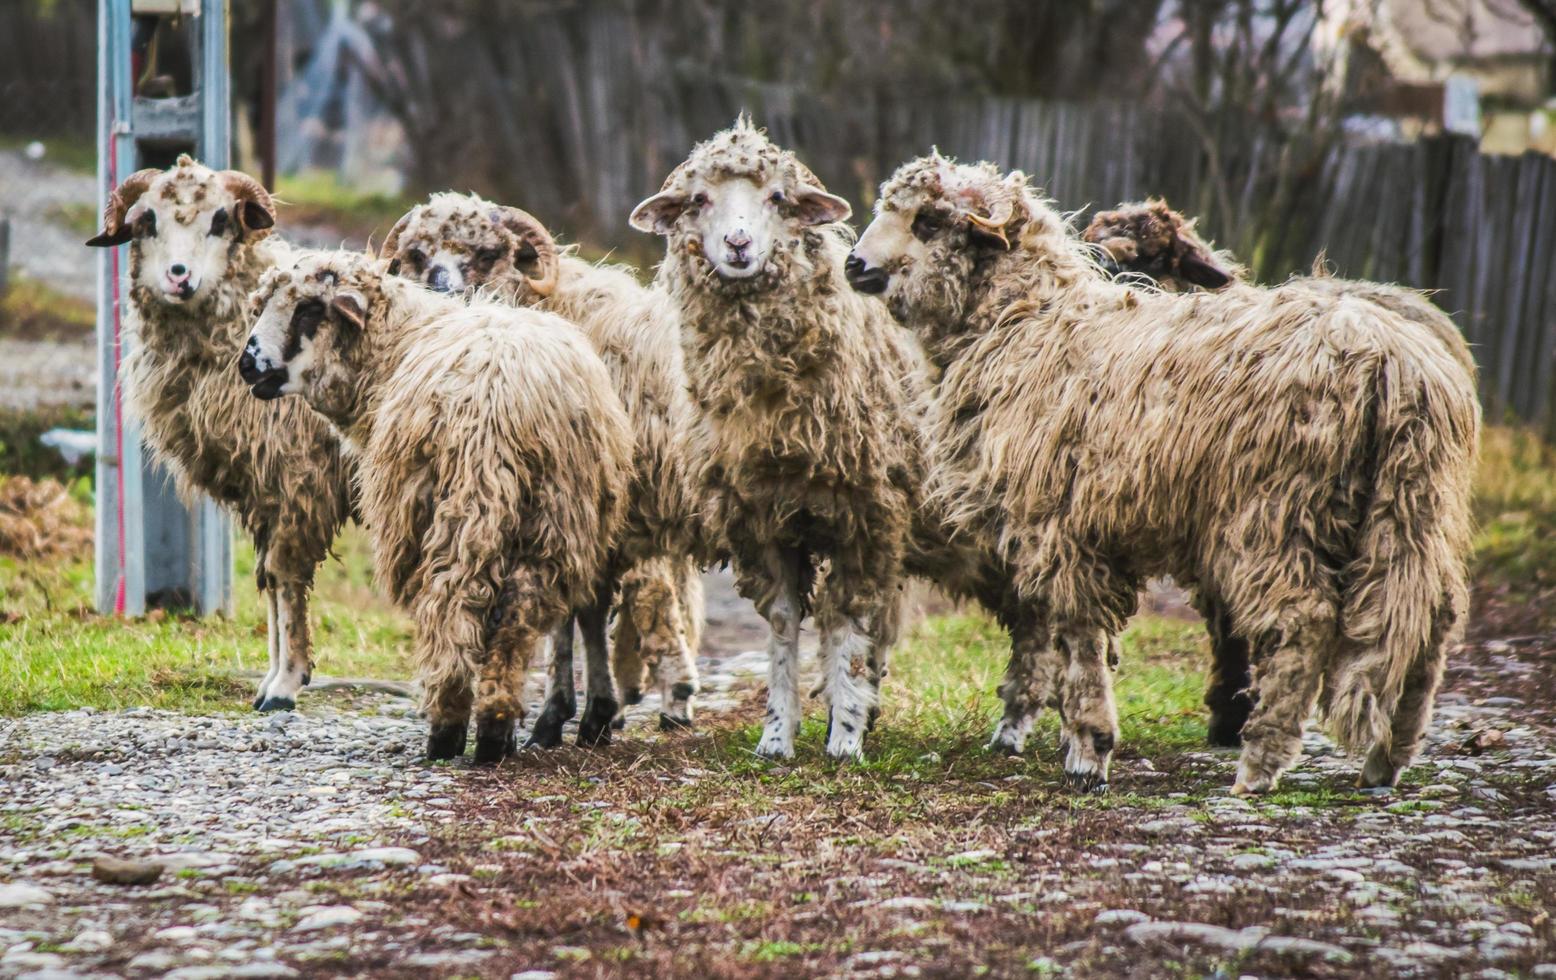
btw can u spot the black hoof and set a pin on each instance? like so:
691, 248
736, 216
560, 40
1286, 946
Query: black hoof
259, 699
307, 678
446, 742
1225, 733
493, 740
277, 704
547, 731
1085, 782
869, 725
594, 730
1004, 748
670, 723
632, 695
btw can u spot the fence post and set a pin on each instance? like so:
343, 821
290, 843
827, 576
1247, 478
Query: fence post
5, 255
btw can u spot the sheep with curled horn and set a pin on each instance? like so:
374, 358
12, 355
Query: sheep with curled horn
494, 459
462, 244
199, 241
1306, 459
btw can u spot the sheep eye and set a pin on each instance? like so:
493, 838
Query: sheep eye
307, 316
700, 198
777, 197
925, 225
415, 257
488, 256
219, 222
146, 225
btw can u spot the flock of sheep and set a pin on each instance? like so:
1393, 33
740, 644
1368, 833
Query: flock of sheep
534, 441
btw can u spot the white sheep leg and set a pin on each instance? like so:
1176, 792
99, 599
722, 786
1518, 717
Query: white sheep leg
273, 642
783, 676
1031, 683
678, 683
295, 662
1089, 729
846, 662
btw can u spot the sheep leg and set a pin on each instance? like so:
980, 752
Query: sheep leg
1286, 682
1031, 680
273, 642
296, 660
1228, 695
627, 661
513, 631
1089, 716
600, 704
847, 654
781, 608
561, 697
1387, 759
675, 662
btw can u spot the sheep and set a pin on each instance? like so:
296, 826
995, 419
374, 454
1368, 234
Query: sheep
459, 243
1154, 241
493, 457
199, 242
808, 465
1306, 459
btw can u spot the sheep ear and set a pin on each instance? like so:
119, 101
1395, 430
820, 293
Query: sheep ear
1121, 248
255, 216
1201, 273
817, 207
658, 214
350, 308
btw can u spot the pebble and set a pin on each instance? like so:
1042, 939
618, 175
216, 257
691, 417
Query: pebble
17, 895
117, 871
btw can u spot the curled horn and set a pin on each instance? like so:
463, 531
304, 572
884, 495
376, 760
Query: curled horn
529, 229
391, 245
993, 226
257, 211
120, 200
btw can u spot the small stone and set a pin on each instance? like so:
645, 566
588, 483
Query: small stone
1252, 862
89, 941
17, 895
1120, 917
534, 975
328, 918
177, 934
119, 871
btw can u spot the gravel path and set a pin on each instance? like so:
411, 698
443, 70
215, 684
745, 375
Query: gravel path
34, 194
291, 843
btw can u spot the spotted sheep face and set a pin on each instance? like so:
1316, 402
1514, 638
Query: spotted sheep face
456, 243
184, 227
309, 323
739, 203
935, 224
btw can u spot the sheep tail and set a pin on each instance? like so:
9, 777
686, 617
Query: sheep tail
1406, 594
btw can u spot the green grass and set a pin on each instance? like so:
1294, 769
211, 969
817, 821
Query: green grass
318, 197
58, 654
31, 310
75, 154
1516, 508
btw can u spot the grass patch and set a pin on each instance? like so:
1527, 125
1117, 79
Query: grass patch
1515, 504
318, 197
31, 310
77, 154
60, 654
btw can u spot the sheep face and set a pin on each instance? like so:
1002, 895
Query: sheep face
1154, 241
937, 224
309, 323
458, 242
741, 204
184, 226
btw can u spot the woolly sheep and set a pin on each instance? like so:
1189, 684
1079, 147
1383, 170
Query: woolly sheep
198, 245
807, 456
493, 457
1306, 460
1154, 241
460, 243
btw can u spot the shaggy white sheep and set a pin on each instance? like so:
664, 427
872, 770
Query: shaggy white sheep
198, 246
460, 243
493, 457
1307, 460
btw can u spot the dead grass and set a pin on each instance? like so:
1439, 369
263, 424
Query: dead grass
31, 310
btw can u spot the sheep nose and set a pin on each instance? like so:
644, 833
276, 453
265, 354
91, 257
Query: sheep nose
862, 277
739, 241
178, 271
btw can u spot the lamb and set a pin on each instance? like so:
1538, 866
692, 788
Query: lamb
199, 242
1306, 459
1154, 241
806, 453
493, 456
460, 243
